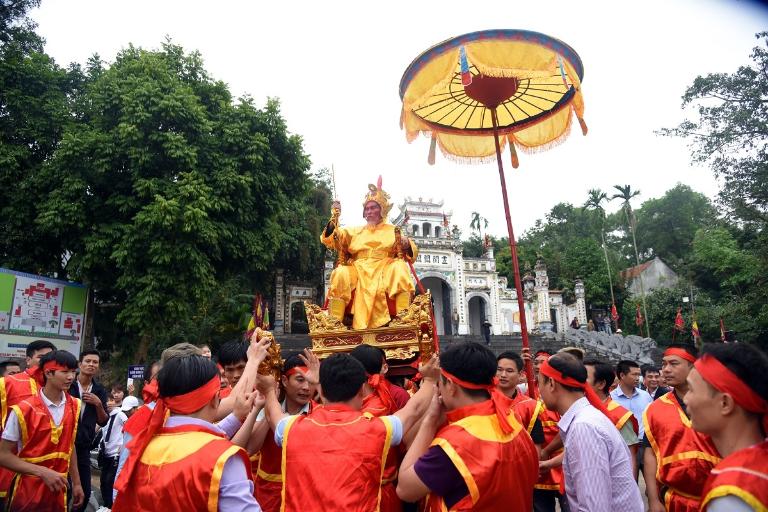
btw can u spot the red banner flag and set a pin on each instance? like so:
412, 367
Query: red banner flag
638, 316
722, 331
614, 313
679, 322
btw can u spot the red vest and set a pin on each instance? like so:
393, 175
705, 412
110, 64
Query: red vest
527, 409
390, 502
499, 469
13, 389
43, 444
743, 474
333, 459
179, 470
268, 473
619, 415
550, 480
684, 458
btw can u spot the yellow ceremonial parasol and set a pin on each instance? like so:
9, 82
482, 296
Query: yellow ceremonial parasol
476, 93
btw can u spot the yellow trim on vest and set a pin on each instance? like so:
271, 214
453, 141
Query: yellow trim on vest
166, 449
686, 421
284, 450
487, 428
218, 470
693, 454
47, 456
652, 441
732, 490
387, 442
536, 411
269, 477
365, 415
462, 468
547, 487
3, 404
740, 469
22, 425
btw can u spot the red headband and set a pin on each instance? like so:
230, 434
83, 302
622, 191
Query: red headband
724, 380
680, 353
498, 402
296, 369
149, 392
180, 404
547, 370
55, 365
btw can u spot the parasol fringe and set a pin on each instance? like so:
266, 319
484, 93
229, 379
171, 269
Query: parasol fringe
530, 150
432, 144
513, 152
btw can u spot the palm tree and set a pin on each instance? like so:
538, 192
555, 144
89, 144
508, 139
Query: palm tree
595, 202
475, 225
626, 194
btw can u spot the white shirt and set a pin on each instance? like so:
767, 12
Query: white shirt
12, 432
83, 390
114, 443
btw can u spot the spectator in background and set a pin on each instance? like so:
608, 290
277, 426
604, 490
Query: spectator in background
630, 397
9, 368
117, 392
487, 331
575, 323
651, 381
94, 411
607, 324
205, 350
590, 325
112, 443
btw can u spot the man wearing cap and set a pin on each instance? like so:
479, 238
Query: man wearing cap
482, 459
299, 380
371, 270
597, 463
680, 459
38, 441
728, 399
186, 462
111, 443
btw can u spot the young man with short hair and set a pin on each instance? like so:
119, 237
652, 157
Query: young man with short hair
187, 451
597, 463
94, 398
651, 384
632, 398
9, 368
18, 387
333, 458
298, 381
233, 356
509, 366
599, 376
673, 483
727, 399
482, 459
42, 430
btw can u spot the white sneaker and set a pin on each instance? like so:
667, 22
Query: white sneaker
103, 509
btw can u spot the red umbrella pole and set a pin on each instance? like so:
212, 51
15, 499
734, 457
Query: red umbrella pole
513, 250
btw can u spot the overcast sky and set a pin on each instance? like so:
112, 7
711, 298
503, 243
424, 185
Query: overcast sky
336, 67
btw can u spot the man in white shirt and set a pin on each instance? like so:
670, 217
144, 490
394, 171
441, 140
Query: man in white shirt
112, 443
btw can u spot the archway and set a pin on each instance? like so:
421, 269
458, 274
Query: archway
478, 312
441, 302
299, 323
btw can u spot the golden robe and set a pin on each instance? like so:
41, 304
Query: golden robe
372, 272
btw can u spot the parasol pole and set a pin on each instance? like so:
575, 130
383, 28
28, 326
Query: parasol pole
513, 250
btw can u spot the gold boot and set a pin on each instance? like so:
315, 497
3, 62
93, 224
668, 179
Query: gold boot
402, 301
336, 308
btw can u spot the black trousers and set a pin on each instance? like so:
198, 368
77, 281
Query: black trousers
108, 480
544, 501
84, 467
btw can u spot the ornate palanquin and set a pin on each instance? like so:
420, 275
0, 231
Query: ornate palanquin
273, 363
408, 335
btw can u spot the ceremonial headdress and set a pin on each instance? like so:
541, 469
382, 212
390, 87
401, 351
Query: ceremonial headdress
377, 195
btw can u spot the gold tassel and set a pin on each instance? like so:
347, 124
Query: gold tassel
513, 152
432, 148
583, 125
402, 117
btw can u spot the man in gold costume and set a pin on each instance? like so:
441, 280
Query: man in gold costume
372, 268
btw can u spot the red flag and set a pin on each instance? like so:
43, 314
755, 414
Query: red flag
695, 330
679, 322
722, 331
614, 313
638, 316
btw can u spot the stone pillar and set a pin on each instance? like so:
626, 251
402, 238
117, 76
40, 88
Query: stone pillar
279, 326
581, 305
541, 292
495, 305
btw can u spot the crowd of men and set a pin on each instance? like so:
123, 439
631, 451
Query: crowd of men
462, 434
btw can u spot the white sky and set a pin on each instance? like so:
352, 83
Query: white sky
336, 67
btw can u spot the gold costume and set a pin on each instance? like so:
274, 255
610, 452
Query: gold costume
372, 269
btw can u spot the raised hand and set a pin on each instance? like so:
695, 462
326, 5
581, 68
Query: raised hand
313, 366
260, 342
243, 404
431, 369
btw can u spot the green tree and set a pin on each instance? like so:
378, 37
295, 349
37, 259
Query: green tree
595, 202
626, 194
670, 222
167, 189
731, 133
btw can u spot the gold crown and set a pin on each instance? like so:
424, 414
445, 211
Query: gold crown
376, 194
